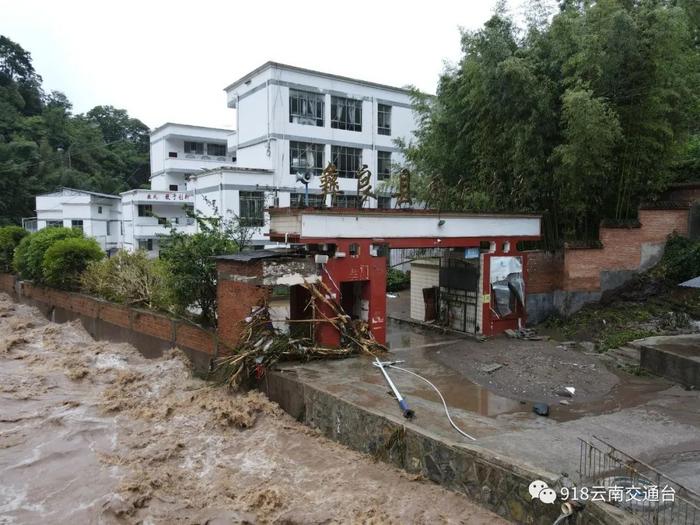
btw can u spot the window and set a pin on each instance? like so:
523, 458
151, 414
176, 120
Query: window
77, 224
99, 209
252, 205
54, 224
347, 161
196, 148
346, 201
172, 154
346, 113
162, 221
146, 244
354, 249
384, 203
216, 150
108, 228
384, 119
145, 210
316, 200
383, 165
306, 108
304, 156
173, 187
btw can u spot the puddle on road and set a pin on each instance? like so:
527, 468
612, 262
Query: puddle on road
419, 348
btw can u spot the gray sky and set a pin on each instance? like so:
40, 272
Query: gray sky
170, 60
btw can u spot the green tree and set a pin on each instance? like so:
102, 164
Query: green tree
193, 271
44, 146
29, 254
580, 118
65, 261
10, 237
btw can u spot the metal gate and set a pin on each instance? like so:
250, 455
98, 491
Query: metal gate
459, 285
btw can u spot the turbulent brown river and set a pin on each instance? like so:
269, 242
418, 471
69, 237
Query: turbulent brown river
92, 432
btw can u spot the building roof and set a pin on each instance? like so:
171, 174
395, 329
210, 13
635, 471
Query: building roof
270, 64
206, 171
96, 194
192, 126
256, 255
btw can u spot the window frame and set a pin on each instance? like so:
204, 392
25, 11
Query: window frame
384, 119
198, 150
54, 224
147, 210
349, 201
215, 145
298, 99
383, 199
317, 150
256, 199
341, 110
341, 156
77, 224
381, 175
316, 200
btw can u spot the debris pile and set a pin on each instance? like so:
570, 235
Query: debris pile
261, 344
525, 333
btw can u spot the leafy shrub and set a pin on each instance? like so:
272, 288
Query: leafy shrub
193, 271
681, 260
396, 280
29, 255
65, 260
129, 278
10, 237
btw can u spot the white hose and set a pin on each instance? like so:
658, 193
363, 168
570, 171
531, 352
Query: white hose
444, 404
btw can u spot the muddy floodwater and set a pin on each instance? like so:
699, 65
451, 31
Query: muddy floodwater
92, 432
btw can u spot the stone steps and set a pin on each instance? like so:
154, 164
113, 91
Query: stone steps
626, 356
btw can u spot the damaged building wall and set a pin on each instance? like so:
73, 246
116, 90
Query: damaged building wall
245, 281
563, 282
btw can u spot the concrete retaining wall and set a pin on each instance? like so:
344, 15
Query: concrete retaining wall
494, 482
151, 333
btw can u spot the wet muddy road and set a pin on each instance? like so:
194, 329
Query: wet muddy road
91, 432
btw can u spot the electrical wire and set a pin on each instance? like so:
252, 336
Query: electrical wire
444, 403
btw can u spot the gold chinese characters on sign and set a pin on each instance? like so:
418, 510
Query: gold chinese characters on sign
329, 182
404, 194
364, 188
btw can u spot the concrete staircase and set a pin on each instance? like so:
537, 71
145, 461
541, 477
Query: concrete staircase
627, 356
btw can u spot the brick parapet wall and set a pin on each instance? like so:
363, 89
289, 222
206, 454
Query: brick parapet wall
622, 248
579, 270
175, 332
545, 271
236, 300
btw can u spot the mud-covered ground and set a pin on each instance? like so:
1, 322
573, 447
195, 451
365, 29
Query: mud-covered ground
91, 432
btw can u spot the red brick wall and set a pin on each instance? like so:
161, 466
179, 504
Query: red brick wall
235, 302
545, 271
579, 269
622, 248
178, 333
7, 283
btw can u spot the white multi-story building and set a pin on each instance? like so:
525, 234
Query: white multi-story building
98, 215
289, 122
178, 151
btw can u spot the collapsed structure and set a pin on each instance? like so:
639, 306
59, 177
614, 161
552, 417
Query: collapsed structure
483, 269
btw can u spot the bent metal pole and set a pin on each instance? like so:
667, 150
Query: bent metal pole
407, 412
